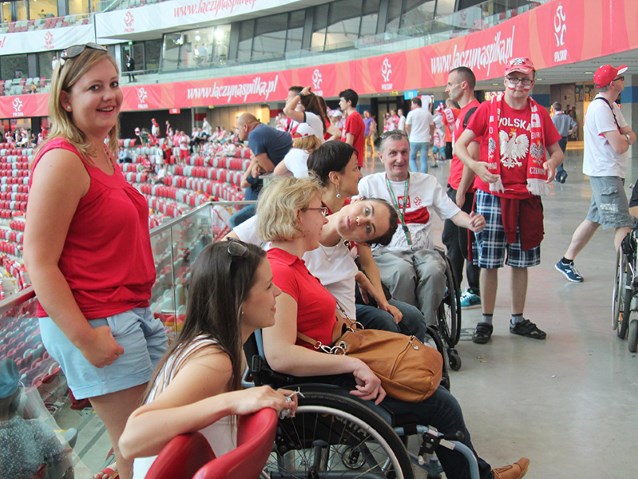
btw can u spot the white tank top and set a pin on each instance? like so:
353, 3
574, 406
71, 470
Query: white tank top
221, 435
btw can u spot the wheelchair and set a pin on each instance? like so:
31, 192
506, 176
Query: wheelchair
625, 291
449, 315
336, 435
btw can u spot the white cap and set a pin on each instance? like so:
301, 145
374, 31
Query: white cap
302, 130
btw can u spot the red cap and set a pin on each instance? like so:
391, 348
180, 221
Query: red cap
520, 64
606, 74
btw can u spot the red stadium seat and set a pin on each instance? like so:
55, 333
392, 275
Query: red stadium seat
255, 438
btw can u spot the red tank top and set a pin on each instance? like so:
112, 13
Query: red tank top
107, 257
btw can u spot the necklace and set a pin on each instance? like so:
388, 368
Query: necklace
109, 160
401, 208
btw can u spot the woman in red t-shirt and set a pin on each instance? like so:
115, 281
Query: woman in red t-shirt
87, 247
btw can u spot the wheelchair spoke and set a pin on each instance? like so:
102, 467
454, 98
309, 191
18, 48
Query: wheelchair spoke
337, 440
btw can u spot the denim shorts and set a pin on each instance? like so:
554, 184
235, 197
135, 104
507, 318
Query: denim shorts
491, 245
141, 335
609, 207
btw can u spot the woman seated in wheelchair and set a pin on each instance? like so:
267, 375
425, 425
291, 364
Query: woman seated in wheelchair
290, 215
351, 229
196, 386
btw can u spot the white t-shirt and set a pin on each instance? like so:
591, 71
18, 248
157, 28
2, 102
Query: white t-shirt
314, 121
334, 266
425, 193
419, 120
599, 158
401, 125
296, 160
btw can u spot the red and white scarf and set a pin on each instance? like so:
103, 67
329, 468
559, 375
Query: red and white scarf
536, 175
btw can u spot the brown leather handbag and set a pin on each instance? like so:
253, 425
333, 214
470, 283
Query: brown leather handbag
408, 369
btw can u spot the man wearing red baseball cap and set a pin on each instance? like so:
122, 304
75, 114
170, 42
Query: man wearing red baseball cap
606, 160
511, 175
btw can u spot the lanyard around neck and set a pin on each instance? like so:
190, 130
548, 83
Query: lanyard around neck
401, 208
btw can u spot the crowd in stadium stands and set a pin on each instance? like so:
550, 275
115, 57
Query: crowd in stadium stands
46, 21
210, 168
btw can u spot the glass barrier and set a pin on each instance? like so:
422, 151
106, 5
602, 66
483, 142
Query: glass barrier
175, 245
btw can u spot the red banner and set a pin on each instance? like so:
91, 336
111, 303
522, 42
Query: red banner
553, 34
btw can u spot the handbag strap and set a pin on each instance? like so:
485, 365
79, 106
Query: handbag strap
342, 321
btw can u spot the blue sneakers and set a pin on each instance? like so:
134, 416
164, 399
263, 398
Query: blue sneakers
470, 299
569, 271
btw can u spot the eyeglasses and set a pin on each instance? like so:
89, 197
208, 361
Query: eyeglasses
516, 81
75, 50
324, 210
621, 78
237, 249
394, 134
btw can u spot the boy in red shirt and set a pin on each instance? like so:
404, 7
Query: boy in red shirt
512, 174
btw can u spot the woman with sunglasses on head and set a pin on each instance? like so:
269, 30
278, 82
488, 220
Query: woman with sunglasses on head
87, 247
198, 383
290, 216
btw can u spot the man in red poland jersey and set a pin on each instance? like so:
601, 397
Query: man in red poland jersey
511, 176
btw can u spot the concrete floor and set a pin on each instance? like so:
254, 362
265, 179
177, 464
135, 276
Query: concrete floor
568, 403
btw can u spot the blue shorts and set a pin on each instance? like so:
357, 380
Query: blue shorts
141, 335
491, 245
609, 207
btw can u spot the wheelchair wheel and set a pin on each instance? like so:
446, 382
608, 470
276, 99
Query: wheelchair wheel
449, 312
333, 436
454, 359
632, 336
619, 296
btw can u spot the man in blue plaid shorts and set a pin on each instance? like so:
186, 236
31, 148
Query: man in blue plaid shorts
511, 175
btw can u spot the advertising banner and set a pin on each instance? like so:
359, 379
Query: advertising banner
553, 34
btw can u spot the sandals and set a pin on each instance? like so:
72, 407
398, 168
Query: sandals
482, 333
108, 472
528, 329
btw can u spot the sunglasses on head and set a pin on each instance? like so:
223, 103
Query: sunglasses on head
236, 249
75, 50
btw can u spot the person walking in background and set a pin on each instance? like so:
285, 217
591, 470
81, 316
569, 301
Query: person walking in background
130, 67
87, 247
401, 125
419, 125
565, 125
606, 161
512, 174
354, 129
449, 114
370, 134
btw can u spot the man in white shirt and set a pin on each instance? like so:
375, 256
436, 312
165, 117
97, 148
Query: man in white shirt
419, 125
409, 266
606, 160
